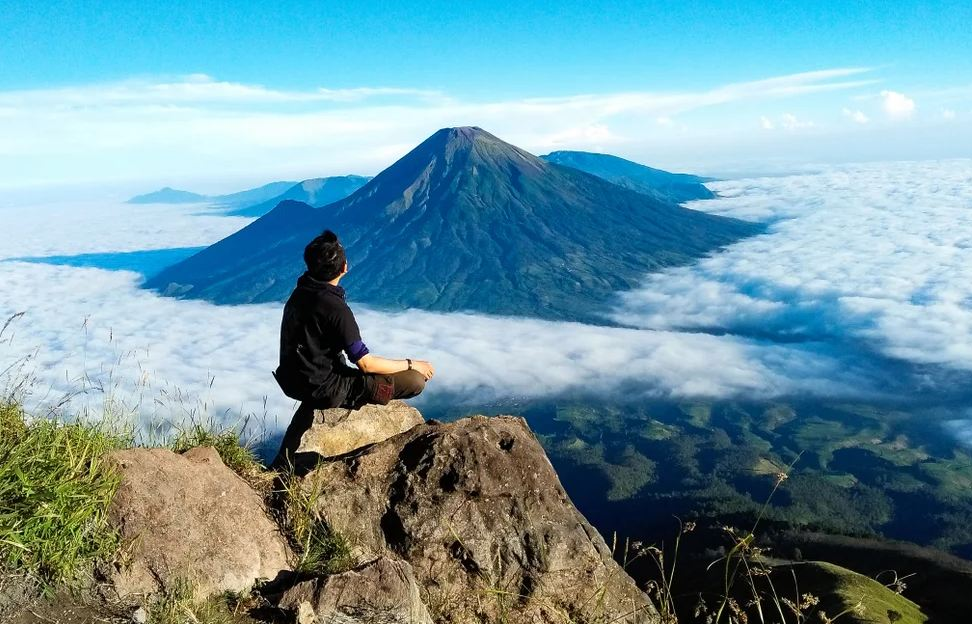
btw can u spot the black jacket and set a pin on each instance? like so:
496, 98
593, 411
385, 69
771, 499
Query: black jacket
317, 329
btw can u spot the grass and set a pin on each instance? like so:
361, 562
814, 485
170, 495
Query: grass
840, 590
238, 456
179, 605
320, 550
821, 592
56, 487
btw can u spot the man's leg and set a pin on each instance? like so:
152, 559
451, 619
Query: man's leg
380, 389
408, 384
301, 422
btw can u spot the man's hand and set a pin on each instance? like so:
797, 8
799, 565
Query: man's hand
423, 367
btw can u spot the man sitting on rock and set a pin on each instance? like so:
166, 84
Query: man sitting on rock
317, 331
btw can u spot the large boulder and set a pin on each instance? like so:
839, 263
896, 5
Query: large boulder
383, 591
477, 510
190, 518
340, 430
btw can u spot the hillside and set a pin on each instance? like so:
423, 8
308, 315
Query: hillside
384, 517
662, 185
466, 221
316, 192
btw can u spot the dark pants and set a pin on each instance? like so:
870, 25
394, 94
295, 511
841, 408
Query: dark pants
403, 385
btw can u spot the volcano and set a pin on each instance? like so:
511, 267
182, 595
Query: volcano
466, 222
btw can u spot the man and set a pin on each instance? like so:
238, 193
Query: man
317, 331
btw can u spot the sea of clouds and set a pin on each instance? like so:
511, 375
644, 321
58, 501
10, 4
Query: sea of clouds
860, 289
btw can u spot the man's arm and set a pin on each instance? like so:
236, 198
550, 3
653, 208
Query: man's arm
371, 363
368, 362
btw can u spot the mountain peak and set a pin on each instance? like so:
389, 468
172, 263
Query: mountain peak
464, 133
465, 139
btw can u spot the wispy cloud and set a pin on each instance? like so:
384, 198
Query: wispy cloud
184, 125
193, 89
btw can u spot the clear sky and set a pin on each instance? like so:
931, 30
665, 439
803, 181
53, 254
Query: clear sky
220, 92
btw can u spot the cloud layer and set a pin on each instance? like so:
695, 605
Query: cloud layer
862, 288
872, 258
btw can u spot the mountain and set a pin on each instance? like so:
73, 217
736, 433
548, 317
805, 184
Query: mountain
252, 196
466, 221
662, 185
168, 195
316, 192
248, 197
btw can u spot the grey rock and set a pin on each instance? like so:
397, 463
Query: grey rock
338, 431
140, 616
478, 511
190, 518
383, 591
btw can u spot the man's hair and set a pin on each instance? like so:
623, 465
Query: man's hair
324, 256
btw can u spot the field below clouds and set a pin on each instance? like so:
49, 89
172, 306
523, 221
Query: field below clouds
861, 289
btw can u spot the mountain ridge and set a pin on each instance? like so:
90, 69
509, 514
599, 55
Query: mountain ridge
313, 191
660, 184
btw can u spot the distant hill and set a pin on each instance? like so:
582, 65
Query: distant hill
662, 185
248, 197
168, 195
466, 221
316, 192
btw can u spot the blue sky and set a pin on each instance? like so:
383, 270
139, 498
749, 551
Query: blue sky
91, 80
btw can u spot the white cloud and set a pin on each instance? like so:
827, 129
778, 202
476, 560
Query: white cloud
165, 355
857, 116
897, 105
593, 136
664, 120
791, 122
948, 114
861, 288
183, 125
192, 89
766, 123
873, 259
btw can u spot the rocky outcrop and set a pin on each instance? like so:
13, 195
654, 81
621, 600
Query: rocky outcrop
383, 591
190, 518
477, 510
339, 430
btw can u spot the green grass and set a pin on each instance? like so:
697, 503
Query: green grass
237, 456
56, 485
320, 550
179, 605
841, 590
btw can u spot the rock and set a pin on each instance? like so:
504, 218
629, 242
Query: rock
381, 592
190, 518
140, 616
477, 510
338, 431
